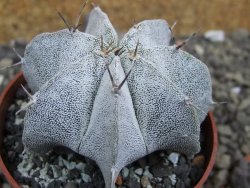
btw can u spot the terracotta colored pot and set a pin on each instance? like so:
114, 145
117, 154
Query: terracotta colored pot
208, 128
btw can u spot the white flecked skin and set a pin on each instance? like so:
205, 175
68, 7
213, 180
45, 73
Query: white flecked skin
160, 106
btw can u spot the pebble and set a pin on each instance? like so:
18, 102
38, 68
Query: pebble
215, 35
81, 166
172, 177
223, 161
199, 49
144, 181
225, 130
147, 173
222, 176
125, 172
243, 118
56, 171
199, 160
139, 171
173, 158
86, 178
119, 180
245, 148
225, 140
1, 79
236, 90
245, 103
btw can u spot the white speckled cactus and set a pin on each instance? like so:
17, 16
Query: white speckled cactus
112, 101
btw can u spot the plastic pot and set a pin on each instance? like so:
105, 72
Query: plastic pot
208, 128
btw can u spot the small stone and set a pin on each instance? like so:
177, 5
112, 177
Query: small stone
125, 172
225, 130
70, 156
223, 161
222, 176
173, 158
172, 177
85, 177
243, 118
119, 180
56, 171
244, 104
144, 181
44, 171
236, 90
199, 49
147, 173
225, 140
5, 62
60, 161
215, 35
64, 172
69, 165
1, 79
81, 166
139, 171
245, 148
199, 160
149, 186
18, 121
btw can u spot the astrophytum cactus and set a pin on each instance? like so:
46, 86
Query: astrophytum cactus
114, 101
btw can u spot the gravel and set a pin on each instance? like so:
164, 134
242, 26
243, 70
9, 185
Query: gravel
229, 64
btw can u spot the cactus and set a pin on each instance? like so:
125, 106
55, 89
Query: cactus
114, 101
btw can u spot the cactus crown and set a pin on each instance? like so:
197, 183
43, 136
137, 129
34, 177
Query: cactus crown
114, 101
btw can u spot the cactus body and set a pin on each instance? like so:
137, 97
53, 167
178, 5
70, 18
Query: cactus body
161, 104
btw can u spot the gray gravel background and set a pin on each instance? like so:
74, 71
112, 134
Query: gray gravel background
229, 64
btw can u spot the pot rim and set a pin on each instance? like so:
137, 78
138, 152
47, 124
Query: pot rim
18, 79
